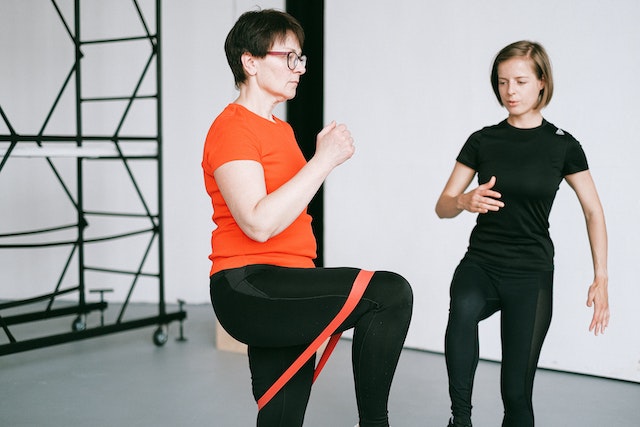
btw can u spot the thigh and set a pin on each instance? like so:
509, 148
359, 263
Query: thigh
473, 293
527, 300
272, 306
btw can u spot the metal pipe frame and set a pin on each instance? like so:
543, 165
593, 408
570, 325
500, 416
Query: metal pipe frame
154, 230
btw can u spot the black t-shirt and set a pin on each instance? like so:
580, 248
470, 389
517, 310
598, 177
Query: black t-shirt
529, 165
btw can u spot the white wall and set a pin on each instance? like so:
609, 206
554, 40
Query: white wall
414, 84
411, 85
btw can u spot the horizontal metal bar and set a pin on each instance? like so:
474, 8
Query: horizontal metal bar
55, 312
34, 343
122, 214
117, 98
112, 270
153, 230
39, 231
18, 303
74, 138
120, 39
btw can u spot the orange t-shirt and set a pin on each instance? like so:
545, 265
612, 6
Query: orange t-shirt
239, 134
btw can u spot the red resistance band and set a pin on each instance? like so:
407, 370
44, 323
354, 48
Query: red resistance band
359, 286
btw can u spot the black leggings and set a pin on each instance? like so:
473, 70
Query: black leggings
279, 311
525, 302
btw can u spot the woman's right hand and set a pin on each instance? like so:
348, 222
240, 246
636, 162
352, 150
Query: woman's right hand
482, 199
334, 145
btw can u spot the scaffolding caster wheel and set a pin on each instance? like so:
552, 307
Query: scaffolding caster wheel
160, 337
78, 324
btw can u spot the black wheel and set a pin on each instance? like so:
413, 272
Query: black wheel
160, 337
78, 324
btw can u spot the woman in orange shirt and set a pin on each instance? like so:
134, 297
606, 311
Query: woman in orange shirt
265, 289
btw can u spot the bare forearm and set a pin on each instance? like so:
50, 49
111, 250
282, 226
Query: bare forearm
598, 241
262, 215
448, 206
598, 294
275, 212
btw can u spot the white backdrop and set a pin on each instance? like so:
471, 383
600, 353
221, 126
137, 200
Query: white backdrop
412, 85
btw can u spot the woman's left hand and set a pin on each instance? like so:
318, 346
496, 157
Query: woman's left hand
598, 297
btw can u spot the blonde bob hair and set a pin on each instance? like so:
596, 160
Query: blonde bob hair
539, 61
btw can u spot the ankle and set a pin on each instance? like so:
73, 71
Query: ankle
457, 422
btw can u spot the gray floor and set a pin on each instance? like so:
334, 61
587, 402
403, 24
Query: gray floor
124, 380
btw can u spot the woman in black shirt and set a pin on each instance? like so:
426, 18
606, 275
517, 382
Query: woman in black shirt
509, 262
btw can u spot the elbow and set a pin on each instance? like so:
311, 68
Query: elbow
444, 213
441, 211
440, 207
256, 227
256, 234
446, 207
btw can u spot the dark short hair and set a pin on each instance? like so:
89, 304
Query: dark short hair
255, 32
541, 66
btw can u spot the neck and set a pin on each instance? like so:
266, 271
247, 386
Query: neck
257, 102
527, 121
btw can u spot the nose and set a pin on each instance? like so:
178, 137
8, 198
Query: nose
511, 88
300, 68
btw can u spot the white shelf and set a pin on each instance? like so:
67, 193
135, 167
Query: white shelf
90, 150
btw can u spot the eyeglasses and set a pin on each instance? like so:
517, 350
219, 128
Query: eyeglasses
293, 59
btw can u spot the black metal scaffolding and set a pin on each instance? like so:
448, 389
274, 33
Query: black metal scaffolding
86, 150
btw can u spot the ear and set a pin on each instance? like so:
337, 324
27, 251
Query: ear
249, 64
543, 82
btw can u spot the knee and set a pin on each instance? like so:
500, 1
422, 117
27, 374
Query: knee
516, 397
467, 307
397, 290
518, 410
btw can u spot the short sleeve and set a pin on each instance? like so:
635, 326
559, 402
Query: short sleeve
575, 158
468, 155
227, 143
